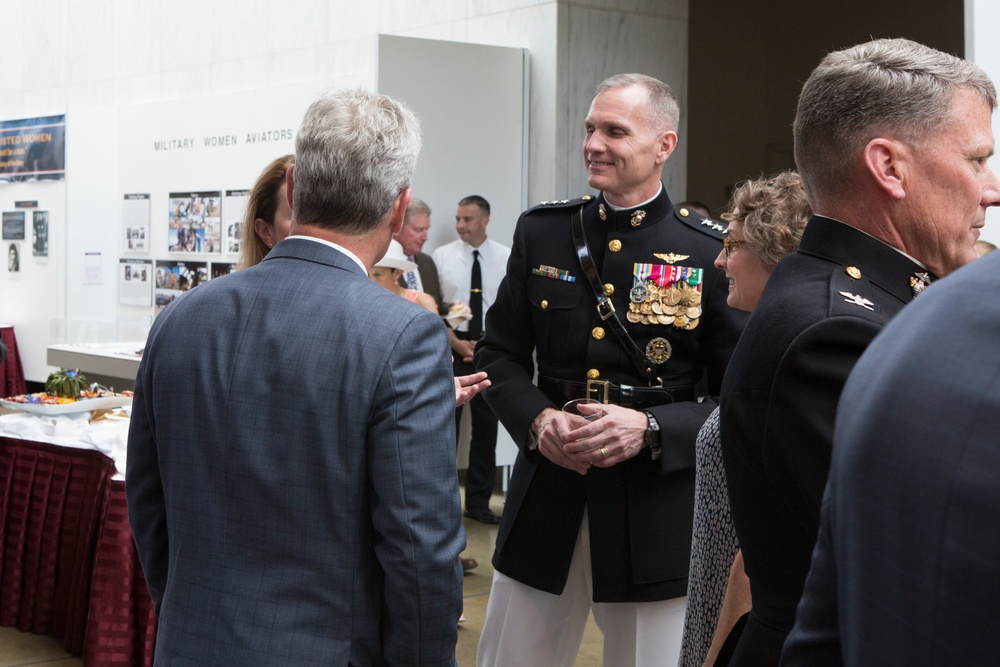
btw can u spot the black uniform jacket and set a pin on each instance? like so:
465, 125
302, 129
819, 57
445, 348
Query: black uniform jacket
822, 306
640, 511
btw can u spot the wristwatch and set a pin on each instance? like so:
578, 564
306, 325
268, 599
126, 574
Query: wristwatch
532, 443
652, 436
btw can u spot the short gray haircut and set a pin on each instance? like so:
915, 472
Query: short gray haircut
665, 112
895, 88
354, 153
416, 207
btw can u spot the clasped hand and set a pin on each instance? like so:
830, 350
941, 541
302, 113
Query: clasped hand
577, 445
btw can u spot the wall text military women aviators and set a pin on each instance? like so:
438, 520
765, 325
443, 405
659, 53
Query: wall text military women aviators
221, 140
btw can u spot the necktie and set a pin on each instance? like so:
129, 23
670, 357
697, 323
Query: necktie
476, 299
411, 276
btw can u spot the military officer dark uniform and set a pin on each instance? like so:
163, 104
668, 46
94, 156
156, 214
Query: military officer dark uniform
821, 307
892, 152
654, 273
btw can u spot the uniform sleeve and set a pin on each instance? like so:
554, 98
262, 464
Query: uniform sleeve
416, 511
679, 425
506, 351
799, 426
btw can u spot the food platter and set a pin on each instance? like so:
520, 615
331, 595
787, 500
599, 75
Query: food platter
81, 405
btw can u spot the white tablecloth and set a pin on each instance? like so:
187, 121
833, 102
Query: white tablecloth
109, 437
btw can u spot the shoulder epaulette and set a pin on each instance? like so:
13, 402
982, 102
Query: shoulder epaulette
561, 203
696, 220
851, 294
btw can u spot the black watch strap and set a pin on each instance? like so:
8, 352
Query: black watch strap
652, 435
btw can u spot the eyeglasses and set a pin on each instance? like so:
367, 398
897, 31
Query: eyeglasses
731, 244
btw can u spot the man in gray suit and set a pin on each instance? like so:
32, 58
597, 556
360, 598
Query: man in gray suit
291, 470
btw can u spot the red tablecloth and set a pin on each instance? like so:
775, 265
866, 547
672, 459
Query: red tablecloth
68, 566
11, 372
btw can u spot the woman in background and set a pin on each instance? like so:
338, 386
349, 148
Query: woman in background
388, 270
268, 217
766, 219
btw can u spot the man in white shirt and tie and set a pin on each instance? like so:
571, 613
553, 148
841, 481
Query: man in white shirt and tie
470, 270
412, 237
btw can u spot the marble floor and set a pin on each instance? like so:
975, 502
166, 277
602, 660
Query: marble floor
19, 649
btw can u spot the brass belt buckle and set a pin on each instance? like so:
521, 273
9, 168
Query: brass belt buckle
600, 386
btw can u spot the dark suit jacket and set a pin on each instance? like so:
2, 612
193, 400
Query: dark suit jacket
640, 511
291, 471
780, 396
905, 571
429, 279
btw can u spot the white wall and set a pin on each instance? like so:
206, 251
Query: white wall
470, 101
33, 297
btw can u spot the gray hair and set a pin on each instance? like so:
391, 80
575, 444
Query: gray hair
354, 153
665, 113
416, 207
886, 87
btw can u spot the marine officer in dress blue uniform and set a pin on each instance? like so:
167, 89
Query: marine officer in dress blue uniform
617, 298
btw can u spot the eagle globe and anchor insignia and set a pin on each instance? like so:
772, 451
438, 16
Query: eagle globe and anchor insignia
658, 350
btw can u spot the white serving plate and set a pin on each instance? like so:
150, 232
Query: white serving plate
85, 405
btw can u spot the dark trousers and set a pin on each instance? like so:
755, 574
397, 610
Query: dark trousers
481, 476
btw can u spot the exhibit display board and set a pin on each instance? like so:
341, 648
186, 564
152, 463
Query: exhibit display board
186, 171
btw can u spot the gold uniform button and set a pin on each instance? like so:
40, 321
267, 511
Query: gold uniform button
593, 374
684, 212
597, 333
853, 272
586, 197
544, 304
615, 245
609, 289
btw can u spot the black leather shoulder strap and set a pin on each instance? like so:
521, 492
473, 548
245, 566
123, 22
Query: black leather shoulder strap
606, 309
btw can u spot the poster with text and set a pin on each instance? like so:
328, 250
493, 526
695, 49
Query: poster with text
33, 149
175, 278
135, 222
135, 282
195, 222
40, 234
235, 209
13, 225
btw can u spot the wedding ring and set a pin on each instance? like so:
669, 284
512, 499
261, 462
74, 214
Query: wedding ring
604, 452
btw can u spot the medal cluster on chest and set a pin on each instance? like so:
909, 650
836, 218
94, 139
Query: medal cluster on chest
665, 295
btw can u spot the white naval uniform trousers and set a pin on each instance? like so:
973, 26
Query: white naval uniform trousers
526, 626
